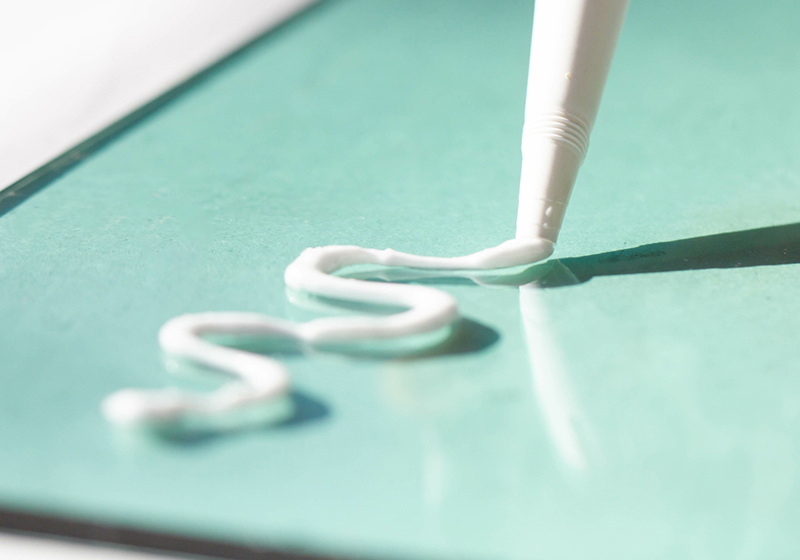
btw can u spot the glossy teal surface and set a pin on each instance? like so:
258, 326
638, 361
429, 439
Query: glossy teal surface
633, 404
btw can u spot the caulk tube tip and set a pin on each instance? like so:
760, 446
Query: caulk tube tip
549, 170
572, 45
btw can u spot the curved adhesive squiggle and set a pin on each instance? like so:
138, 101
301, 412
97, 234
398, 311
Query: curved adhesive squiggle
261, 379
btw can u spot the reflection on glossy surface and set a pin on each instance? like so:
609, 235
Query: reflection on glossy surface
550, 380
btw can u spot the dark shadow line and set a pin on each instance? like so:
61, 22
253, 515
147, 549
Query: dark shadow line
23, 189
39, 525
769, 246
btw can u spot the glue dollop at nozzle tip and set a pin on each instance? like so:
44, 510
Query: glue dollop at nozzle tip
518, 251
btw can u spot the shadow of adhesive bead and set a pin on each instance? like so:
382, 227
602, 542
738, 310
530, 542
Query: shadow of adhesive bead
468, 337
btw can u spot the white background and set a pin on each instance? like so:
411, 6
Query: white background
70, 69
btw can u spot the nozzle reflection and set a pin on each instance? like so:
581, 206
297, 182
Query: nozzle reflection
550, 382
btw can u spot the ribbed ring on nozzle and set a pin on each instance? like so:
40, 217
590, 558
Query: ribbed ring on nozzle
561, 127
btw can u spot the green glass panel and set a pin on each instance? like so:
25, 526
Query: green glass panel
638, 398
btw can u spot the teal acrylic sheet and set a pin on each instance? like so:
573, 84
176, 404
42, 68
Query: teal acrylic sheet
639, 398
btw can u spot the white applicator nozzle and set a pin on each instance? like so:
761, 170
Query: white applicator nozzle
572, 46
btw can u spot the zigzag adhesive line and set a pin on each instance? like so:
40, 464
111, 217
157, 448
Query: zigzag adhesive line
259, 379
